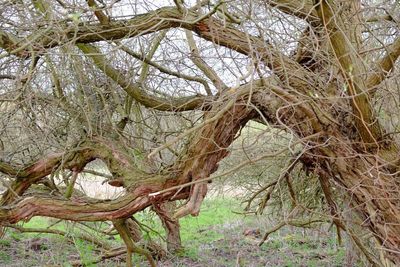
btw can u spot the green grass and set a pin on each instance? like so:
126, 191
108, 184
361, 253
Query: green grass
39, 222
216, 234
5, 243
85, 251
4, 257
213, 212
197, 231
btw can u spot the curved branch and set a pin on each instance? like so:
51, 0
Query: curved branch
26, 176
368, 126
64, 32
83, 236
164, 69
80, 209
385, 65
303, 9
207, 27
134, 89
292, 222
123, 230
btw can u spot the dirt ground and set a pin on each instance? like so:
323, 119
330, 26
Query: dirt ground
231, 243
228, 246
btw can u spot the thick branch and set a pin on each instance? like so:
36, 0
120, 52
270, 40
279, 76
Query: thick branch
64, 32
135, 90
367, 124
26, 176
206, 27
164, 69
82, 210
385, 65
303, 9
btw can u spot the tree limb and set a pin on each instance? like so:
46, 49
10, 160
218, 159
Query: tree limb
26, 176
100, 243
385, 65
202, 65
135, 90
206, 27
303, 9
162, 68
368, 126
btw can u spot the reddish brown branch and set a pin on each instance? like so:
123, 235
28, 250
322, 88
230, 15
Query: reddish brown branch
80, 209
26, 176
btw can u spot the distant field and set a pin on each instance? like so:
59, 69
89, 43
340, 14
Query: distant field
215, 238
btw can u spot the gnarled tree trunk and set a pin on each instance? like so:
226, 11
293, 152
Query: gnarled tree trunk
323, 93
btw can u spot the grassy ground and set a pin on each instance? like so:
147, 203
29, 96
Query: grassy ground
215, 238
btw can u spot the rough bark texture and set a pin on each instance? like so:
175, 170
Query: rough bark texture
323, 93
208, 148
171, 226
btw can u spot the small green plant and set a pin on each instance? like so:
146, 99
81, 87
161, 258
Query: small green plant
214, 238
272, 245
16, 236
85, 251
5, 258
339, 257
5, 243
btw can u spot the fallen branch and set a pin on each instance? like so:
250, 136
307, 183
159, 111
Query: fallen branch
86, 237
106, 255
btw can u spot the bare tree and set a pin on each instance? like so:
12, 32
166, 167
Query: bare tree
158, 93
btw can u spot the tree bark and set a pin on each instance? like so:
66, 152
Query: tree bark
171, 226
